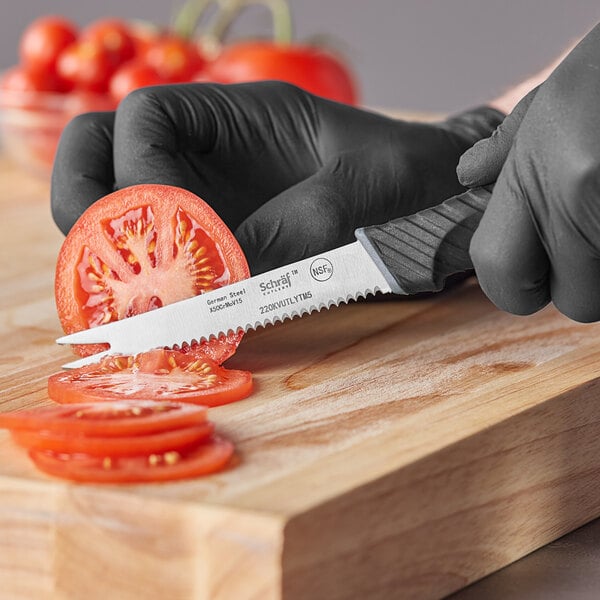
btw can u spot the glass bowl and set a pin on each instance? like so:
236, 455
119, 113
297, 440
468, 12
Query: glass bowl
31, 123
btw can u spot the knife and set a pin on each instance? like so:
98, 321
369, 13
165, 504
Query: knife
408, 255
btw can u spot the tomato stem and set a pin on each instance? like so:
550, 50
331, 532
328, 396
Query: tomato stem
187, 20
280, 13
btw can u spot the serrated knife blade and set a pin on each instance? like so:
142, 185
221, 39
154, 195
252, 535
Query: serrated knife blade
405, 256
296, 289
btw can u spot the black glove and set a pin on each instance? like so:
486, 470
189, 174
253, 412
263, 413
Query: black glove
539, 239
290, 173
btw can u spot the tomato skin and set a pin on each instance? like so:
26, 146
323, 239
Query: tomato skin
202, 459
86, 66
134, 445
114, 419
177, 275
159, 374
131, 76
43, 41
174, 59
308, 67
20, 79
114, 36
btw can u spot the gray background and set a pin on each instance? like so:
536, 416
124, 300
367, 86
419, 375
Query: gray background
438, 55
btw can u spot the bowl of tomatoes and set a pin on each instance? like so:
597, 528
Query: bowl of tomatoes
65, 70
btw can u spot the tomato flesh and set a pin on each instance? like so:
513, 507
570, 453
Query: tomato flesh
132, 445
201, 459
159, 374
133, 417
140, 248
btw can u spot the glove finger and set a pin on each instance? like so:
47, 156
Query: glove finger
575, 286
570, 220
301, 221
83, 167
322, 211
481, 164
509, 258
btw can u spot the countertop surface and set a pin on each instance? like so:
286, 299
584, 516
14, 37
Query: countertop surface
536, 371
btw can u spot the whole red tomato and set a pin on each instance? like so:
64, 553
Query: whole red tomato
309, 67
132, 75
174, 58
43, 41
114, 36
20, 79
88, 66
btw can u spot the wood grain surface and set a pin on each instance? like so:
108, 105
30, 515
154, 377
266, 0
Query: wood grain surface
392, 449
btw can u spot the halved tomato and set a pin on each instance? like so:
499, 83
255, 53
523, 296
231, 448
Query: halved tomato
133, 417
158, 374
201, 459
140, 248
131, 445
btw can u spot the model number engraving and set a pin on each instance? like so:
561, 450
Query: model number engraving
288, 301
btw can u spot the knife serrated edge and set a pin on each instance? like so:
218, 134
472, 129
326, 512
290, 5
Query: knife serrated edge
185, 322
287, 316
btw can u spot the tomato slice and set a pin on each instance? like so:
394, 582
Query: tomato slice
130, 445
158, 374
140, 248
201, 459
133, 417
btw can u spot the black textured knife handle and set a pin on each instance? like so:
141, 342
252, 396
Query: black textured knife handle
419, 252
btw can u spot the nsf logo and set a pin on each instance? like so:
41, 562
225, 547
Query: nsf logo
321, 269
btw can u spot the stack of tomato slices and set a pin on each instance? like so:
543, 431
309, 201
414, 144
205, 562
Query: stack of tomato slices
120, 442
138, 418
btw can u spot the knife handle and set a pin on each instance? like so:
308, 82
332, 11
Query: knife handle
419, 252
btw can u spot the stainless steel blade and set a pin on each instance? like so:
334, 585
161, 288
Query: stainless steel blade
296, 289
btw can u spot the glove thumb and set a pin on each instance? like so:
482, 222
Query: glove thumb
481, 164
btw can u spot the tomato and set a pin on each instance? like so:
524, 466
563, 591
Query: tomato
140, 248
158, 374
131, 76
201, 459
86, 65
43, 41
144, 35
20, 79
150, 443
114, 36
175, 59
134, 417
308, 67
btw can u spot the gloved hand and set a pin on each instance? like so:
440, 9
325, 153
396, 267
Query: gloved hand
539, 239
290, 173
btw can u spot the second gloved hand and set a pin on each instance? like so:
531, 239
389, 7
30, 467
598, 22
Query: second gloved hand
290, 173
539, 239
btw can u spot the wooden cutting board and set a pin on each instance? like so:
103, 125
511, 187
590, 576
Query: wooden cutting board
391, 450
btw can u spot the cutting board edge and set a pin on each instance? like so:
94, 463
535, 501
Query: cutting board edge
90, 541
540, 488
